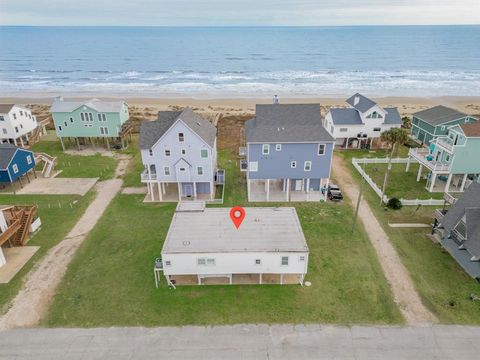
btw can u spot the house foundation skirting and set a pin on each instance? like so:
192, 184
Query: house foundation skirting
236, 279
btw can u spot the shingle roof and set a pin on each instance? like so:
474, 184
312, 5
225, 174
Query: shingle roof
286, 123
469, 199
60, 105
363, 104
151, 131
6, 153
439, 114
473, 231
5, 108
471, 129
345, 117
393, 116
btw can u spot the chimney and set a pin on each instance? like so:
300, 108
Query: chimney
356, 100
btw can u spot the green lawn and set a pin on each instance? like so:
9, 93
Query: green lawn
110, 281
135, 166
442, 284
58, 215
78, 165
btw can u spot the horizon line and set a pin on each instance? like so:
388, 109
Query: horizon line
236, 26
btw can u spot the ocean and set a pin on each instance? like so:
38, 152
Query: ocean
241, 61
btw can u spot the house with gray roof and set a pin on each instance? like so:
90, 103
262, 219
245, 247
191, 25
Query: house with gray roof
289, 153
460, 230
429, 124
361, 123
92, 121
179, 152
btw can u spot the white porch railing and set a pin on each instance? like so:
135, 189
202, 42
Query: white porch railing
445, 142
422, 156
407, 202
145, 176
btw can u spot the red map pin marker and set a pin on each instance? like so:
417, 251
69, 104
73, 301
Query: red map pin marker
237, 214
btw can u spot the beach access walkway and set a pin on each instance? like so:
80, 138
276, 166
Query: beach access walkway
403, 289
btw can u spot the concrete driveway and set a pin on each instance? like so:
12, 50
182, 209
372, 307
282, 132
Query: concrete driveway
244, 342
58, 186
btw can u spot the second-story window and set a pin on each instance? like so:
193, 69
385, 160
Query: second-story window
2, 118
321, 149
278, 147
200, 170
167, 152
307, 166
184, 151
150, 152
293, 164
181, 137
166, 170
71, 119
204, 153
265, 149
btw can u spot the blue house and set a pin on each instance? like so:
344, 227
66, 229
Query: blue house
14, 163
289, 153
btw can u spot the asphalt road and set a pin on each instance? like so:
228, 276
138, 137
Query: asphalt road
244, 342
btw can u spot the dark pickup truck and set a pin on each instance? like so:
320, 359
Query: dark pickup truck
334, 193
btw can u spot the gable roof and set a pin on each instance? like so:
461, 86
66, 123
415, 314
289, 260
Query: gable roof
60, 105
151, 132
364, 104
471, 129
5, 108
392, 117
7, 151
439, 114
469, 199
286, 123
345, 117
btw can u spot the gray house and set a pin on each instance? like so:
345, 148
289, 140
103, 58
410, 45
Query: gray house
179, 153
289, 153
460, 229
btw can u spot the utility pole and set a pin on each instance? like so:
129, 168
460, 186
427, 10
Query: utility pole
359, 198
389, 167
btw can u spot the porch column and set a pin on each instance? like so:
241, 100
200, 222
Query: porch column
449, 180
108, 143
63, 145
288, 189
26, 136
302, 278
199, 280
346, 143
179, 191
21, 141
433, 178
15, 142
419, 175
408, 164
308, 185
159, 191
267, 185
464, 180
151, 192
248, 189
230, 279
326, 190
281, 279
78, 143
194, 190
212, 190
164, 188
260, 279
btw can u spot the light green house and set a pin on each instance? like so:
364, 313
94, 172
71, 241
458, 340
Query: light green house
91, 120
452, 160
431, 123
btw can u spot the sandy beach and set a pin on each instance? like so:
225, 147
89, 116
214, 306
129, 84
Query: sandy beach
146, 108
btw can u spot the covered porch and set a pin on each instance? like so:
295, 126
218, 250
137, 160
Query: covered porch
280, 190
236, 279
174, 192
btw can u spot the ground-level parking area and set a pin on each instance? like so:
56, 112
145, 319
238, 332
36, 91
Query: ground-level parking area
279, 190
237, 279
173, 192
58, 186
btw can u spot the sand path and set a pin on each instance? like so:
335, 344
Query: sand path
31, 303
404, 292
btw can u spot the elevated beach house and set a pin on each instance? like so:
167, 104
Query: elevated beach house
17, 124
431, 123
179, 152
452, 161
289, 153
15, 162
92, 120
459, 227
361, 124
204, 247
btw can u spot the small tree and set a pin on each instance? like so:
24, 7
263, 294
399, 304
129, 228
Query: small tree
407, 122
394, 137
394, 203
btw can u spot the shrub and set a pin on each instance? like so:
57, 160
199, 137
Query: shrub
394, 203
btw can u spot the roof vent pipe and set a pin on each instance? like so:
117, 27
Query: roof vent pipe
356, 100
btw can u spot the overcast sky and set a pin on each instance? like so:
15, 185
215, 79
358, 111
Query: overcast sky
238, 12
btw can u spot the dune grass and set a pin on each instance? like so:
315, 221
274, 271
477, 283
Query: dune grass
110, 281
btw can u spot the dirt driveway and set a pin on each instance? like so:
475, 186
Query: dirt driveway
404, 292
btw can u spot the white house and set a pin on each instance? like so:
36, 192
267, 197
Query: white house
17, 124
204, 247
179, 153
361, 124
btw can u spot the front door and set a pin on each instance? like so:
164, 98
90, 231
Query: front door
298, 185
188, 190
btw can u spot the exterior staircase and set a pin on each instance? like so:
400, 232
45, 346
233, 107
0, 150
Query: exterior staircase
26, 217
49, 163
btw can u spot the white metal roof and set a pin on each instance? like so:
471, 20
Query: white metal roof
262, 230
61, 105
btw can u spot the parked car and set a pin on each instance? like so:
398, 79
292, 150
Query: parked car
334, 193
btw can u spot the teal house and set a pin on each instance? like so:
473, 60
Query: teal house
431, 123
452, 161
91, 121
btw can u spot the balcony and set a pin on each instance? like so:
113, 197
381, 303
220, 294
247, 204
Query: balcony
439, 215
445, 143
146, 177
449, 198
424, 157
